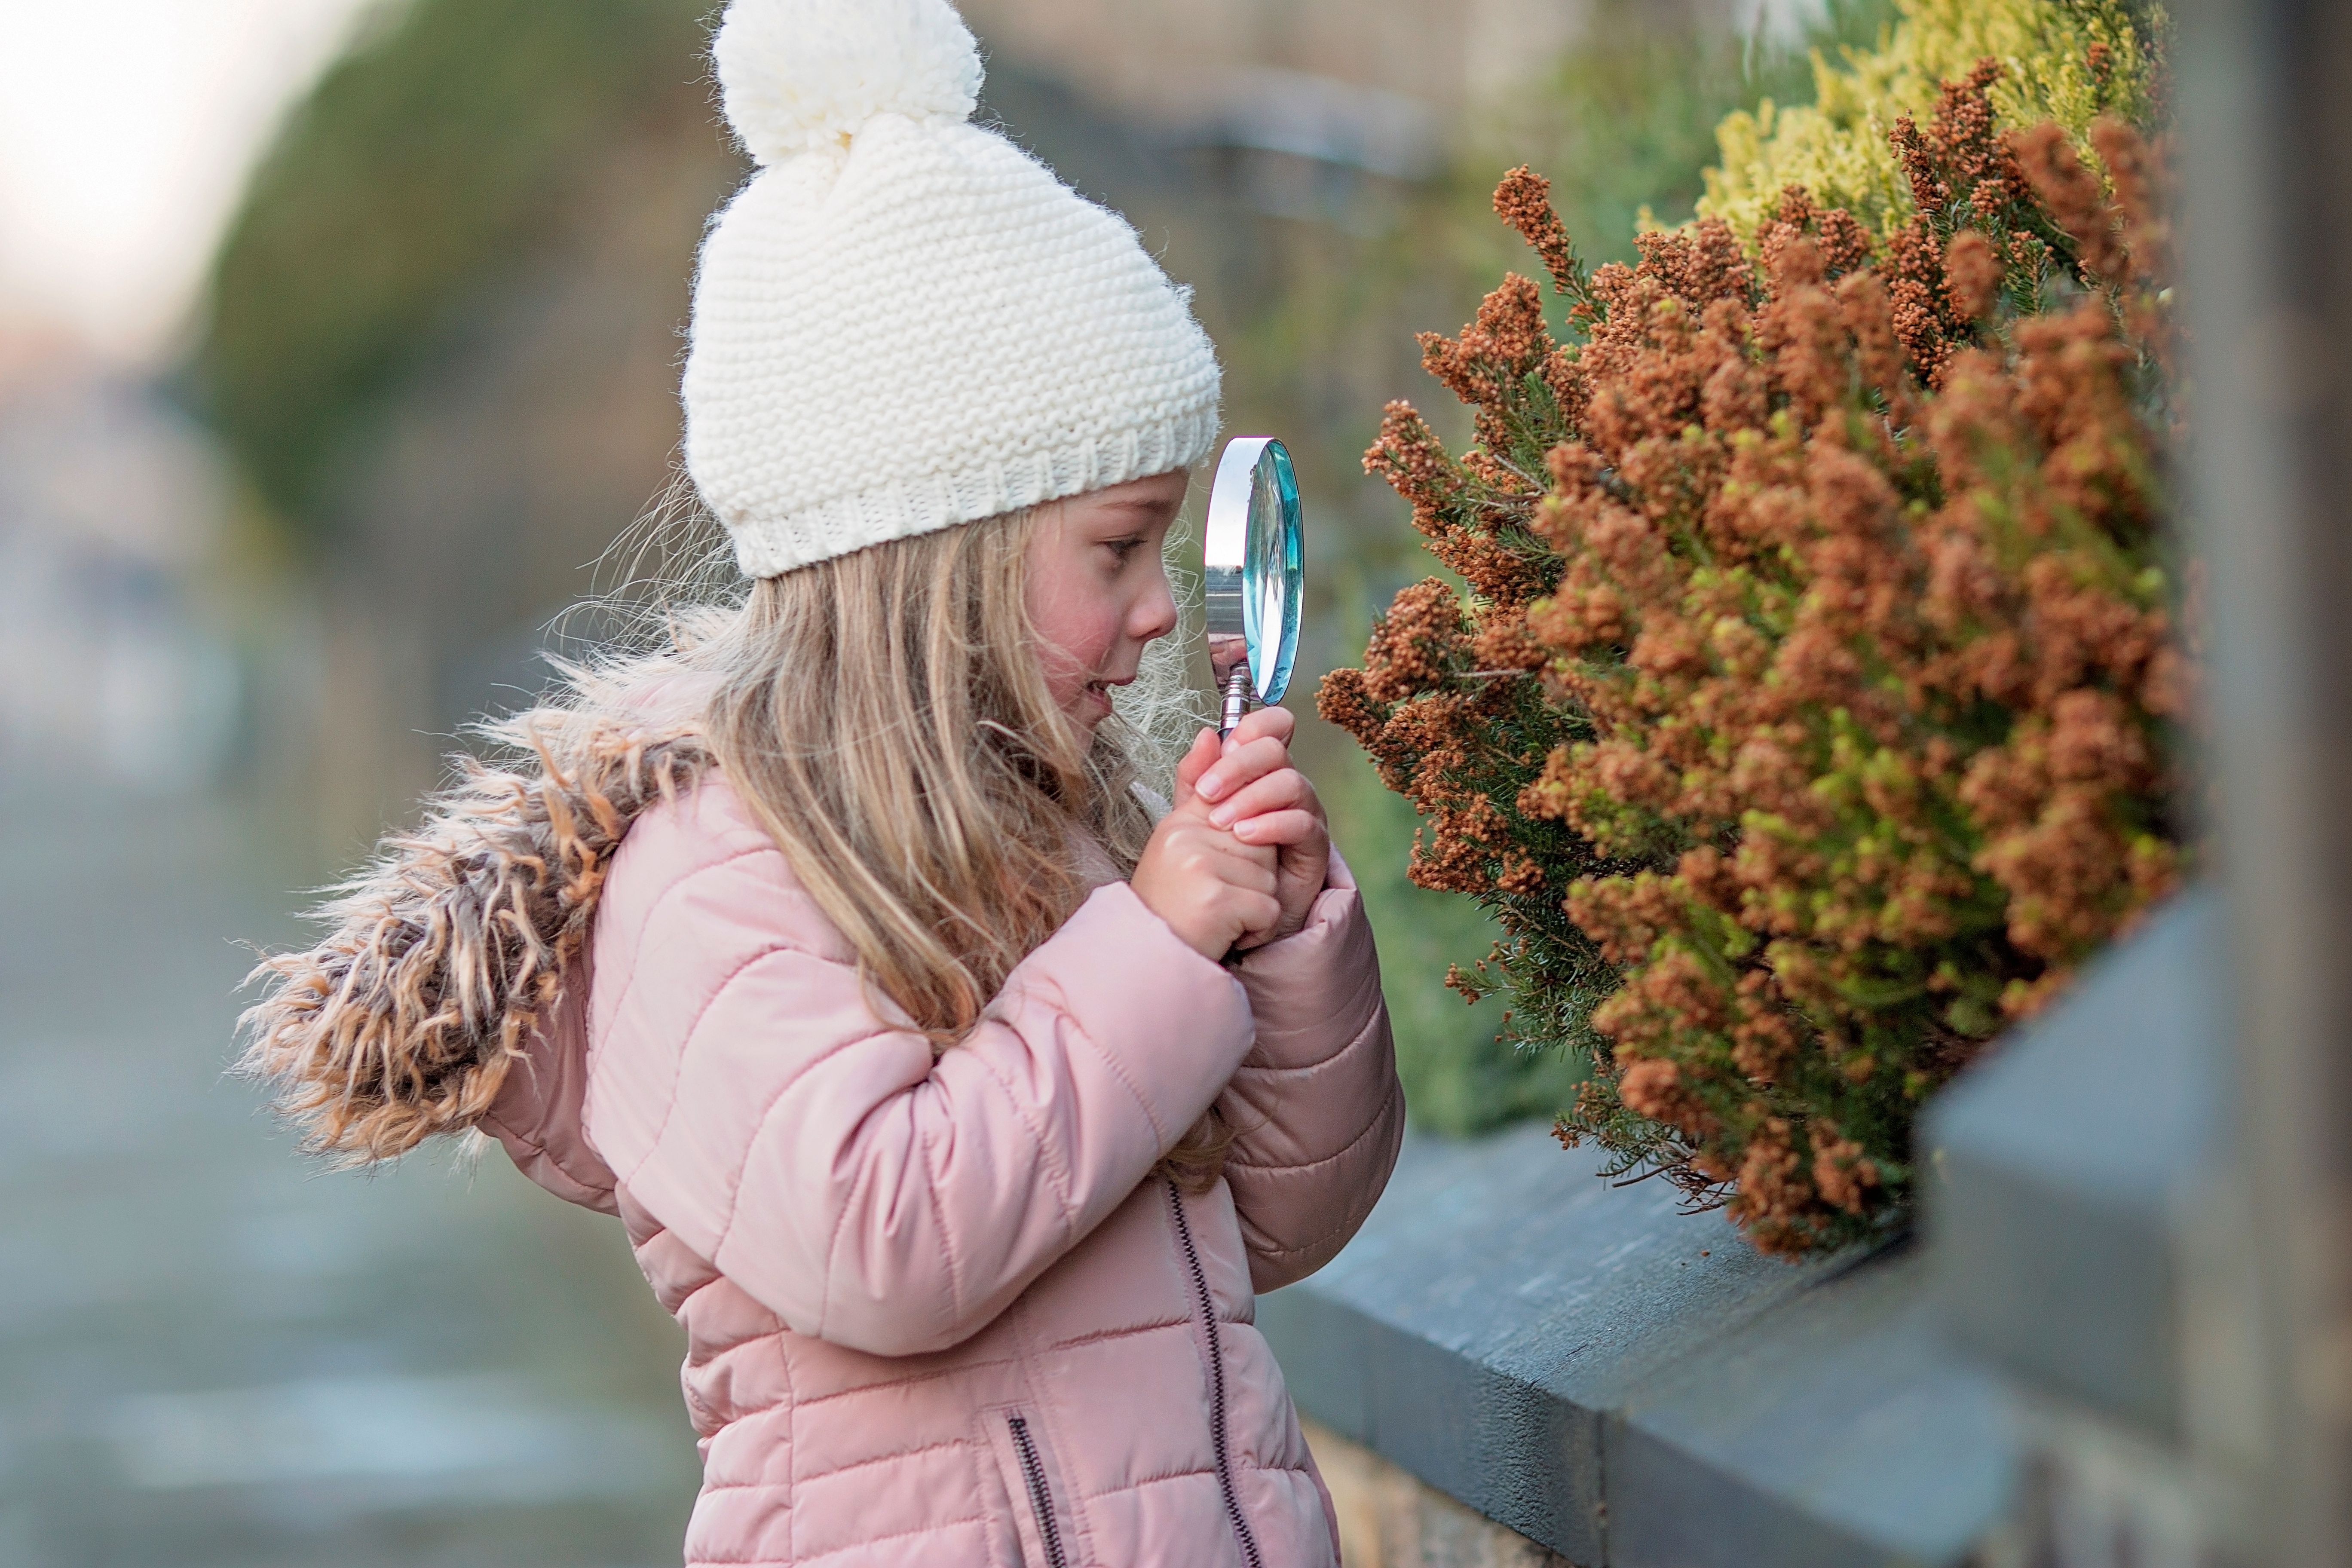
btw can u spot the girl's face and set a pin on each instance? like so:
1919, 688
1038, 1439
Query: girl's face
1099, 591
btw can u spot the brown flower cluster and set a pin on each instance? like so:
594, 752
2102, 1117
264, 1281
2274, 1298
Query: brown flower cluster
1808, 715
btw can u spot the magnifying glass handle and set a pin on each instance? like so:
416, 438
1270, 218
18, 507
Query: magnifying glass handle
1236, 701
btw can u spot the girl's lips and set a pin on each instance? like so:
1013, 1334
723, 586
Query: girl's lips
1094, 703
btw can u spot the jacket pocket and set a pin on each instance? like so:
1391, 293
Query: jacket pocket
1040, 1518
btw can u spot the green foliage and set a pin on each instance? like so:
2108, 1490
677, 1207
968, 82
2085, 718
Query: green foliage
424, 167
2068, 60
1625, 126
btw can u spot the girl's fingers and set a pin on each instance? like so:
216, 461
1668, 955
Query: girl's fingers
1260, 919
1240, 764
1279, 828
1250, 872
1218, 854
1195, 762
1278, 722
1279, 790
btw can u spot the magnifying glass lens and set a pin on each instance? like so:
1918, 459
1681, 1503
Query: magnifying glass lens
1273, 579
1253, 574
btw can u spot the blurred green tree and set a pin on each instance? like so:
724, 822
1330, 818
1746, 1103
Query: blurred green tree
423, 167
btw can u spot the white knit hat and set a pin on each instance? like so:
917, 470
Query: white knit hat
904, 322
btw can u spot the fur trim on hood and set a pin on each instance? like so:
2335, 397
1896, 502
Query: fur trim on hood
451, 950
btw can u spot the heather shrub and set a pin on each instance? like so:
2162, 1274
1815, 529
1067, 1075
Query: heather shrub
1624, 122
1807, 716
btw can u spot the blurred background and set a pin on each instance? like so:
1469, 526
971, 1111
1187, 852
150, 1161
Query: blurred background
338, 340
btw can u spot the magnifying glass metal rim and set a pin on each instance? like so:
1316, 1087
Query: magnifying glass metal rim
1226, 559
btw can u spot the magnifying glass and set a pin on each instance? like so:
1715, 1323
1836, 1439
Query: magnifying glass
1254, 574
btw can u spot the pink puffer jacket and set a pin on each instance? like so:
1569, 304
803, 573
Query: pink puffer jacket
942, 1311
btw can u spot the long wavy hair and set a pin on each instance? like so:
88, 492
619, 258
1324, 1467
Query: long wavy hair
884, 714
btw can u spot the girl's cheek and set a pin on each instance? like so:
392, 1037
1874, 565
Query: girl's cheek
1101, 634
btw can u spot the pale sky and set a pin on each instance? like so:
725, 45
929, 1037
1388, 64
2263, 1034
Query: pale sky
126, 130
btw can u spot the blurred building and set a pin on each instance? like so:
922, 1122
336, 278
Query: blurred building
1168, 62
111, 505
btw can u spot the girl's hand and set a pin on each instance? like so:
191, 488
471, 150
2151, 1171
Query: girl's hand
1213, 889
1251, 788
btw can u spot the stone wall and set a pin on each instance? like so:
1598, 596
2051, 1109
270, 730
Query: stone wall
1390, 1520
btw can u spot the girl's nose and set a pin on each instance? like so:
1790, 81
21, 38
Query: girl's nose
1155, 613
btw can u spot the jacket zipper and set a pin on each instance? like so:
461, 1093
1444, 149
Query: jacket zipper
1216, 1379
1032, 1470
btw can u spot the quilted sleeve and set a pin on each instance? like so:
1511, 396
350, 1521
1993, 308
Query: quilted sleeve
1316, 1108
749, 1096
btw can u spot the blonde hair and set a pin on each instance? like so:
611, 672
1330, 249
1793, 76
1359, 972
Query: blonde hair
883, 714
886, 717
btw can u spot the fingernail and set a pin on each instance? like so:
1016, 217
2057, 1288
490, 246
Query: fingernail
1222, 817
1211, 786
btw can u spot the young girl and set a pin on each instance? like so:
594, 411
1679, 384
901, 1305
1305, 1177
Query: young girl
954, 1106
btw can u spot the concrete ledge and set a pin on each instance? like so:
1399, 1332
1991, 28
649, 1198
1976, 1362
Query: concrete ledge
2070, 1175
1833, 1429
1626, 1384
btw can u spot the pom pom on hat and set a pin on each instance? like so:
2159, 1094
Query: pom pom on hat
799, 74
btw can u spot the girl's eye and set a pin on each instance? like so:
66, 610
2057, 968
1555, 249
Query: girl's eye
1123, 548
